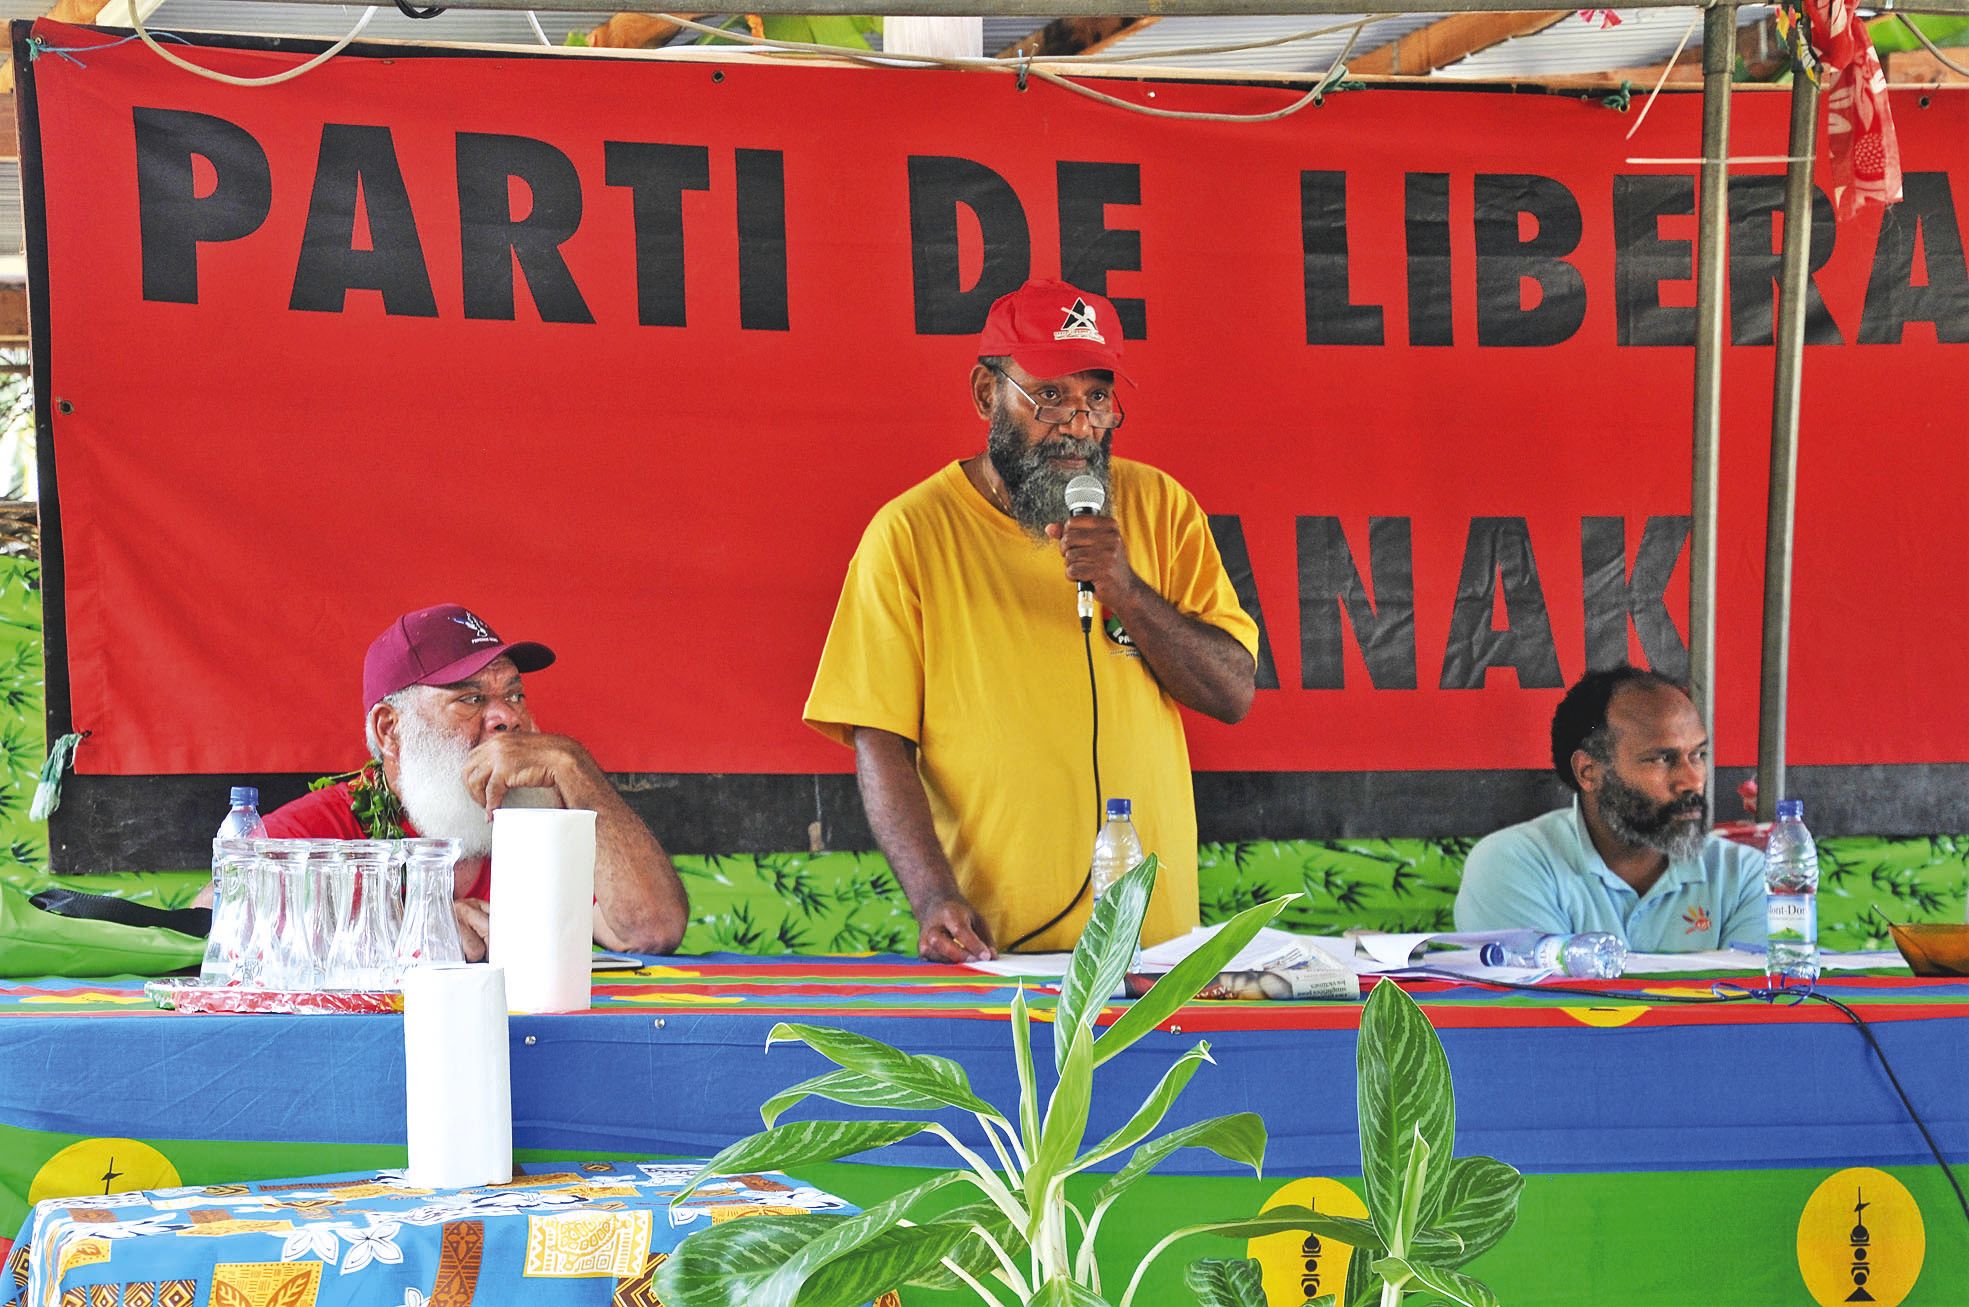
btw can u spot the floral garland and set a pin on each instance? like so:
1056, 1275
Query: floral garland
376, 807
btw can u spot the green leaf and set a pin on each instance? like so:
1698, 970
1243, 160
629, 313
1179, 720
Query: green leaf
1186, 978
1112, 934
1278, 1220
1404, 1090
837, 30
896, 1256
1239, 1137
783, 1287
1066, 1118
727, 1264
1022, 1056
854, 1089
1455, 1286
1225, 1282
1413, 1180
721, 1266
1063, 1292
938, 1078
1363, 1285
797, 1143
1479, 1205
1324, 1300
1150, 1114
973, 1254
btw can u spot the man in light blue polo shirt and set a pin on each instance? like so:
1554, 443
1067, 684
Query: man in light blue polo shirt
1631, 856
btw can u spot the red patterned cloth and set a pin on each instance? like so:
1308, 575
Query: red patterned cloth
1859, 126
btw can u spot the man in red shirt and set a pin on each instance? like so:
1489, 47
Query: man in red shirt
449, 735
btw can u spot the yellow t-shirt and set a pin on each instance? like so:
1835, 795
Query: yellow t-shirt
958, 631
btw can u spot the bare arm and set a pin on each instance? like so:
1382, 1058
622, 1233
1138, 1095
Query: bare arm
949, 929
1202, 667
639, 901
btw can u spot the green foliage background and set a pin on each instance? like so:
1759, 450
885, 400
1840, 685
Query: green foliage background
850, 903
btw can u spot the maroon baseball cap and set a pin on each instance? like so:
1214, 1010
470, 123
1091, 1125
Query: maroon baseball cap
439, 645
1052, 329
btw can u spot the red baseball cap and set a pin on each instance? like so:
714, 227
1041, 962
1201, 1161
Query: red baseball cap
1052, 329
440, 645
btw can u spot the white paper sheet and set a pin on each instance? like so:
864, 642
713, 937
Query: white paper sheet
458, 1095
543, 894
1268, 949
1400, 950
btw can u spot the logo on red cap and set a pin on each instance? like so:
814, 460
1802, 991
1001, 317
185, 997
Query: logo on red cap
1080, 324
481, 633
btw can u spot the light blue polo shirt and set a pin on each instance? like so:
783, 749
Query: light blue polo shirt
1545, 874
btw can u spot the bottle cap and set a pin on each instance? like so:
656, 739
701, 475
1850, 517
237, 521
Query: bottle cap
245, 796
1119, 808
1791, 809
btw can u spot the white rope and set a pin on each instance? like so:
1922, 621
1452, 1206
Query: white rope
533, 21
137, 21
1335, 71
1186, 51
1005, 61
1662, 80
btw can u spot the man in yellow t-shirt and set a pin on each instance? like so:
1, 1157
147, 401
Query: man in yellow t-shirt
958, 670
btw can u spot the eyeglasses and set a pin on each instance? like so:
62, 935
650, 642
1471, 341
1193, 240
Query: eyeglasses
1058, 415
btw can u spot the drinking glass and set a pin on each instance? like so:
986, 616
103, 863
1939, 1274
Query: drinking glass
430, 932
292, 956
362, 954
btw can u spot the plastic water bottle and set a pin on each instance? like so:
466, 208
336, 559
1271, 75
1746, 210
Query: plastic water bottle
1117, 850
223, 944
1591, 955
243, 821
1791, 899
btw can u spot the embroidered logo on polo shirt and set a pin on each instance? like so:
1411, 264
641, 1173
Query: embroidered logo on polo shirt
1698, 919
1080, 324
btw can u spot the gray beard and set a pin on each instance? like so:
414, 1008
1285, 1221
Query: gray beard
1638, 821
1036, 488
431, 783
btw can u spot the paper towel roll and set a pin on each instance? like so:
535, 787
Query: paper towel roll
543, 914
458, 1087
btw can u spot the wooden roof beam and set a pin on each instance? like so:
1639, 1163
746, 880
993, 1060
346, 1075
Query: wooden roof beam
1447, 40
636, 32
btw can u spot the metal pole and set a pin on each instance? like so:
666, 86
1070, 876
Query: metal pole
1719, 49
1793, 278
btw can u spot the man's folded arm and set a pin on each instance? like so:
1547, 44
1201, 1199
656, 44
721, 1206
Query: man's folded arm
1203, 667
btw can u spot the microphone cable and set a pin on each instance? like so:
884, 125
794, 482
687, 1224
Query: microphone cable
1100, 805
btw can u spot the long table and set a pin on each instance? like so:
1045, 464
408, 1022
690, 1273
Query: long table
1673, 1148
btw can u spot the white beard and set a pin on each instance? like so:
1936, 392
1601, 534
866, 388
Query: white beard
431, 783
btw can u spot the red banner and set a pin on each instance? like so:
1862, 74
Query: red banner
624, 354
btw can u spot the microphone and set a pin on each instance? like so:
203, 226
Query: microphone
1085, 496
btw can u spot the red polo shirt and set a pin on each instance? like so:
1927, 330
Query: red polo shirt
329, 814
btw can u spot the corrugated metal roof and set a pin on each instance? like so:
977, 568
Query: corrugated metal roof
12, 237
1580, 44
1002, 33
486, 26
1308, 56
